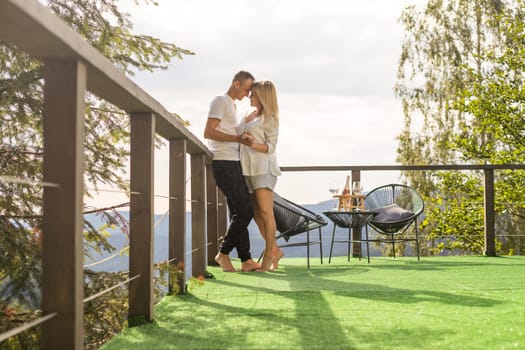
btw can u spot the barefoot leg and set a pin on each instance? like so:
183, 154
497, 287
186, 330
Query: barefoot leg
224, 262
277, 255
250, 265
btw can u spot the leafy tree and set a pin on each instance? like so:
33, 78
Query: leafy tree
495, 131
105, 27
439, 41
460, 79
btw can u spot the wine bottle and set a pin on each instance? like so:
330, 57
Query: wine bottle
346, 190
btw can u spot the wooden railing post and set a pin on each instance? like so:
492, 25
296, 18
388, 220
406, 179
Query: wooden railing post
356, 234
490, 228
62, 254
141, 218
177, 220
198, 214
212, 216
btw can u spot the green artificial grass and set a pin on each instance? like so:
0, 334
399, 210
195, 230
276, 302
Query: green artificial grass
468, 302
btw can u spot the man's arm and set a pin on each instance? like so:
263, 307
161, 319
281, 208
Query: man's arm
250, 142
211, 132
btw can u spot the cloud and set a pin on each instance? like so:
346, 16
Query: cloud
341, 48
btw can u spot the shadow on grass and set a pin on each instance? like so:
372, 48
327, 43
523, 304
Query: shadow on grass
299, 281
222, 326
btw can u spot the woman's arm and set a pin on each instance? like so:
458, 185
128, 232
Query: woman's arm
260, 147
268, 146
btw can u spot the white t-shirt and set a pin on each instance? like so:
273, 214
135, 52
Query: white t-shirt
223, 108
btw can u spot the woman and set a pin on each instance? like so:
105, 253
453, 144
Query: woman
259, 164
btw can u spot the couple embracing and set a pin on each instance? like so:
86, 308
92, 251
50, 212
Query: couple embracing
245, 169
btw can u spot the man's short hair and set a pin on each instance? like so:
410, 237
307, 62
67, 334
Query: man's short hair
242, 76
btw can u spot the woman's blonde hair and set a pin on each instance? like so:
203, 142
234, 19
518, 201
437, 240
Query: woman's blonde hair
267, 95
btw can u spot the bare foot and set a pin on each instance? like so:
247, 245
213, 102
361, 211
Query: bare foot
276, 258
267, 263
224, 262
250, 265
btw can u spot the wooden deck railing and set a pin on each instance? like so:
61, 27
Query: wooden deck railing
72, 67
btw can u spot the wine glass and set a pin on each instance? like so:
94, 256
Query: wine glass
356, 187
333, 188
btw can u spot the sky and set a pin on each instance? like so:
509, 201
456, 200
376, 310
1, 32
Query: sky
334, 65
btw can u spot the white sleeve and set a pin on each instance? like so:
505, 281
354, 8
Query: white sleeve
271, 140
217, 108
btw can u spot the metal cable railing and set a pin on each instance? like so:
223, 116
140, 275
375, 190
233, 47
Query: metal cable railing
18, 180
125, 248
15, 179
109, 289
108, 258
26, 326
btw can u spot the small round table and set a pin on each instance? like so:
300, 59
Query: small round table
355, 220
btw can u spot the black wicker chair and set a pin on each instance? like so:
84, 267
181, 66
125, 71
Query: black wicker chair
292, 219
398, 207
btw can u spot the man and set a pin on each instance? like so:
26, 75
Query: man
227, 172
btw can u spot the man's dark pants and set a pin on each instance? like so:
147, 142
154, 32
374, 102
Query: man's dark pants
228, 177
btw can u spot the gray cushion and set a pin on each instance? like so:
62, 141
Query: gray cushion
392, 212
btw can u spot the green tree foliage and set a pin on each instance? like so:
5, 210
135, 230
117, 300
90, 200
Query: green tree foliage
108, 29
495, 101
461, 84
495, 132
